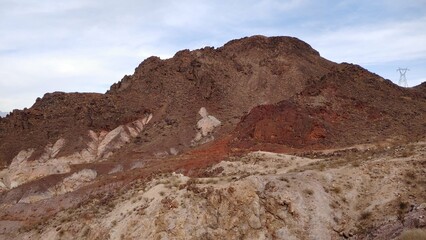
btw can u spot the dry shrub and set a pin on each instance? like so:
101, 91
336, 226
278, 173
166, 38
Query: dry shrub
309, 192
365, 215
336, 189
321, 166
411, 175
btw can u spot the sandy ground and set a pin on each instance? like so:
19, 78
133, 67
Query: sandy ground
372, 192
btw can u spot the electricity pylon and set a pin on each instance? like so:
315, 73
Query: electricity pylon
402, 78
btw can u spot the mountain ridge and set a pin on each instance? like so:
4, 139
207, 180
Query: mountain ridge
260, 137
191, 79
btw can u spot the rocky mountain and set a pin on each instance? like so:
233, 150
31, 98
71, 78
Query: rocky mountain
261, 138
229, 80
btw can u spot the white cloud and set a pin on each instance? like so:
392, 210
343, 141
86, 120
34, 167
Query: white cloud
87, 45
382, 42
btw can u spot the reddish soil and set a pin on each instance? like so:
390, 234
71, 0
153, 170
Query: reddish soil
347, 106
283, 124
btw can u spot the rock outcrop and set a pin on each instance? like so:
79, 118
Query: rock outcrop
101, 146
205, 126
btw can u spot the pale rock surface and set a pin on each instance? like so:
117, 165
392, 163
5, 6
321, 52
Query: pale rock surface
68, 184
101, 146
116, 169
203, 112
113, 140
261, 195
21, 170
31, 198
51, 151
206, 126
75, 181
138, 164
254, 207
119, 136
174, 151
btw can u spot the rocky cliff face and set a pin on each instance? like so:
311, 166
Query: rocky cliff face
99, 166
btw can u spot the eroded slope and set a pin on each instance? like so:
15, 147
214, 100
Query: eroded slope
362, 192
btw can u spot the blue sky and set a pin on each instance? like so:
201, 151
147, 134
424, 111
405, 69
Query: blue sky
86, 45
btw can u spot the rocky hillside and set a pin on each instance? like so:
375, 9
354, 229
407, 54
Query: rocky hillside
228, 81
348, 105
261, 138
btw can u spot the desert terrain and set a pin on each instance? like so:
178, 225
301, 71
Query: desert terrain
261, 138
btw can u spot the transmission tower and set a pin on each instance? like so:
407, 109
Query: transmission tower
402, 78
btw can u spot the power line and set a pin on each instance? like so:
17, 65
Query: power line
402, 79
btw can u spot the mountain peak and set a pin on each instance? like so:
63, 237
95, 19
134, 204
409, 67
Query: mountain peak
279, 44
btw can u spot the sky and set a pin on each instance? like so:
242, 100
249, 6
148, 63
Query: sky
87, 45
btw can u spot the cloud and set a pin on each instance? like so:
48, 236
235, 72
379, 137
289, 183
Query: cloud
382, 42
87, 45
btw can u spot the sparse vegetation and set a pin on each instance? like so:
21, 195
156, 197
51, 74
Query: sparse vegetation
365, 215
336, 189
114, 223
403, 205
86, 231
356, 163
309, 192
334, 204
411, 175
284, 179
